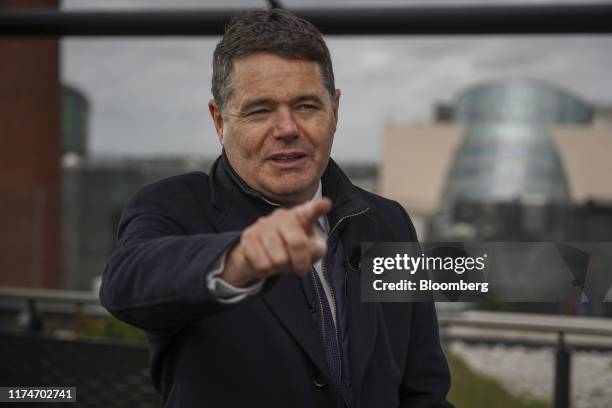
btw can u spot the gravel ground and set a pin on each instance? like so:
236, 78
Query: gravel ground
531, 371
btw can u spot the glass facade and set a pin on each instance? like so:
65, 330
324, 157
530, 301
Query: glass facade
507, 162
507, 153
521, 100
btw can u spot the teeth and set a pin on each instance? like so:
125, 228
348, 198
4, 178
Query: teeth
285, 158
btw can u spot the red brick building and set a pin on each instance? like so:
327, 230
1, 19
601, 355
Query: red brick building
30, 178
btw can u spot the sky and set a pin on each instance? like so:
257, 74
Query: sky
149, 96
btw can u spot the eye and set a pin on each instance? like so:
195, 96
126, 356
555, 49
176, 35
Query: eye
307, 107
258, 112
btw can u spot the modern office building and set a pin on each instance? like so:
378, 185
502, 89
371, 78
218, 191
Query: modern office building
519, 142
509, 161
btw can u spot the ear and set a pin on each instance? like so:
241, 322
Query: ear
336, 103
215, 114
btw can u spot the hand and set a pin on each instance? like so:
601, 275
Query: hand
283, 242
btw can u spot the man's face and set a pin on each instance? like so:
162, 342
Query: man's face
278, 126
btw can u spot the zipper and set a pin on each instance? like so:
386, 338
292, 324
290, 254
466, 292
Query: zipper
341, 220
333, 300
333, 296
331, 287
335, 313
326, 277
316, 286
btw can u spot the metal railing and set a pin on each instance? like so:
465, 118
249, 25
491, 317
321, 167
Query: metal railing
439, 20
560, 326
66, 301
527, 322
52, 300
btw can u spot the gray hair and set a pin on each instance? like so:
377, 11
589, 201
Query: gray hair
275, 31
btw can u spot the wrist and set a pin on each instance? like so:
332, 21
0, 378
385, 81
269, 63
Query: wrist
235, 272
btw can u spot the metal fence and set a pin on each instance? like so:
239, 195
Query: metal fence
114, 374
105, 374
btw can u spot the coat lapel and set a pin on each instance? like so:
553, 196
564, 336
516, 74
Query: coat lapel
287, 302
283, 295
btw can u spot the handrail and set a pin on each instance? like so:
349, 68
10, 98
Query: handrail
49, 295
477, 319
440, 20
52, 300
595, 326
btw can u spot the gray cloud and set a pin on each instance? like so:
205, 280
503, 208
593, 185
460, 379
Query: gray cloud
149, 96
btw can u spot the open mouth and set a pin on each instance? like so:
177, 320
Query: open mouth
286, 158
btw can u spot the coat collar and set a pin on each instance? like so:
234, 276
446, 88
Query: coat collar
239, 205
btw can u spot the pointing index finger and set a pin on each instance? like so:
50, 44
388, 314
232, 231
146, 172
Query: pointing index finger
309, 213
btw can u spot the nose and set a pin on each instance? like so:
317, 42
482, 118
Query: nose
284, 125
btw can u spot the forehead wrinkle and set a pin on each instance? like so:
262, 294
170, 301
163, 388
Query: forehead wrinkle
307, 97
255, 80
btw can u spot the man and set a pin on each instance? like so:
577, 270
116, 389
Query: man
246, 280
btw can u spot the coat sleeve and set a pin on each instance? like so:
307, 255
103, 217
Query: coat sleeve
156, 277
426, 378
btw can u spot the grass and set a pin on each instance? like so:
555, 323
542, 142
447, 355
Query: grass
108, 327
470, 389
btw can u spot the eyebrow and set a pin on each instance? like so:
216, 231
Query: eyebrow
307, 98
255, 103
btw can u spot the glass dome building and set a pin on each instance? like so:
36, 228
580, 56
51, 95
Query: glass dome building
507, 165
507, 153
507, 162
520, 100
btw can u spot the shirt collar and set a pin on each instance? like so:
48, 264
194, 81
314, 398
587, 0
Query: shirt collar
322, 222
